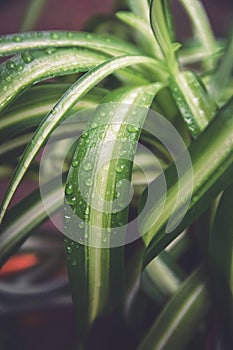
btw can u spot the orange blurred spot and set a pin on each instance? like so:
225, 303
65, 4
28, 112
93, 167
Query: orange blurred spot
18, 263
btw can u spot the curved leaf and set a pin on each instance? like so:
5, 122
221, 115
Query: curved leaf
77, 90
14, 43
25, 216
179, 320
202, 29
22, 71
213, 171
220, 258
161, 26
192, 100
145, 35
30, 108
95, 252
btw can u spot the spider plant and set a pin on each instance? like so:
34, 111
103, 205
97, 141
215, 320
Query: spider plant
117, 80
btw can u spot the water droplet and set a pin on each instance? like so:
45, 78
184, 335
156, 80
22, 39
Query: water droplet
69, 189
88, 182
54, 36
94, 125
17, 38
81, 224
119, 184
132, 128
71, 201
10, 65
20, 67
85, 135
75, 163
117, 194
27, 57
120, 168
87, 166
69, 250
50, 50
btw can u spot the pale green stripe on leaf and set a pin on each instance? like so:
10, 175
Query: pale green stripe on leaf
22, 71
14, 43
96, 274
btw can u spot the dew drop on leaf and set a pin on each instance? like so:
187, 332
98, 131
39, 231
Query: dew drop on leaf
132, 128
120, 168
88, 182
17, 38
87, 166
69, 250
54, 36
74, 163
69, 189
10, 65
27, 57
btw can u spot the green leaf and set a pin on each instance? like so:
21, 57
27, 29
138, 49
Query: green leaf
161, 26
220, 258
71, 97
31, 107
14, 43
192, 100
26, 216
140, 8
22, 71
212, 165
202, 29
97, 201
145, 35
180, 318
221, 77
162, 277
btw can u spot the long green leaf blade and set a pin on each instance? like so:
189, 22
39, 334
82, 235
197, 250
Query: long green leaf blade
26, 216
31, 107
213, 171
202, 29
181, 316
96, 268
145, 35
220, 259
22, 71
77, 91
14, 43
192, 100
